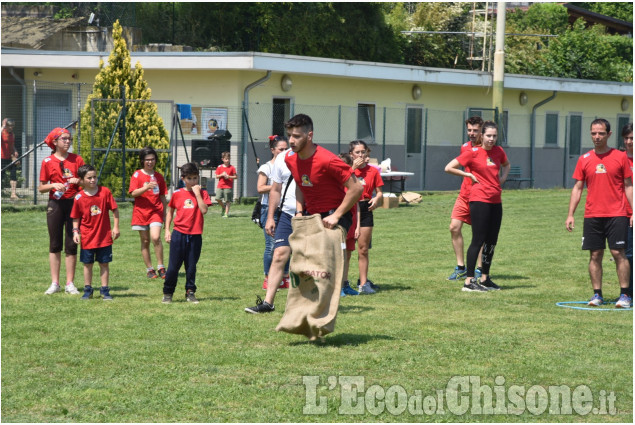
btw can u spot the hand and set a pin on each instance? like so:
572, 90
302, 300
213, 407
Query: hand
196, 189
168, 236
570, 223
150, 185
372, 204
330, 221
473, 177
58, 186
358, 163
270, 227
115, 233
76, 237
74, 180
357, 232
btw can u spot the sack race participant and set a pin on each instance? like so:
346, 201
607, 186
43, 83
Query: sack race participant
316, 270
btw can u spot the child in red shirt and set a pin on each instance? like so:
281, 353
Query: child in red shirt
190, 204
149, 189
226, 174
91, 227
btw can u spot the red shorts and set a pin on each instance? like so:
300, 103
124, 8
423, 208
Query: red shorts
461, 210
350, 239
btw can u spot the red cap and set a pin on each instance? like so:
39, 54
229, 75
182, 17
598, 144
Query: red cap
53, 135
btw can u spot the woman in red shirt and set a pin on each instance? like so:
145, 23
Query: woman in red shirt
9, 154
486, 209
372, 183
58, 177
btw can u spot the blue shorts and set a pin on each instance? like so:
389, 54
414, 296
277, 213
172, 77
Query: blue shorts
283, 230
101, 255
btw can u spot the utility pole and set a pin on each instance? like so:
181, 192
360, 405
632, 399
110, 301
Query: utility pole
499, 64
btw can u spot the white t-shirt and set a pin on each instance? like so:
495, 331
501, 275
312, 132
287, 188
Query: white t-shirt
265, 169
281, 174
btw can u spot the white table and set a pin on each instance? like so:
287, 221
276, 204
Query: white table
390, 176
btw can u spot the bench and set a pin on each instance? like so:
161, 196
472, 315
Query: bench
515, 176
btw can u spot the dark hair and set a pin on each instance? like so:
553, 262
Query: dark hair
300, 120
145, 152
189, 169
346, 157
488, 124
474, 120
607, 125
628, 128
225, 154
274, 140
357, 142
83, 170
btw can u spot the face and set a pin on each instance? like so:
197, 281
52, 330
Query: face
299, 139
191, 180
226, 160
281, 146
359, 151
489, 138
473, 130
64, 142
149, 162
628, 142
599, 136
90, 180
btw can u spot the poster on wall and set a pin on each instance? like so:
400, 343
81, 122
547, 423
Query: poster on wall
213, 119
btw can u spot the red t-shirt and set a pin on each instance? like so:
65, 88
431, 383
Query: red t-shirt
188, 216
224, 183
321, 179
629, 210
52, 172
604, 177
94, 221
369, 178
8, 144
485, 165
148, 207
466, 185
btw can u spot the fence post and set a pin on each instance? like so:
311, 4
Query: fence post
339, 127
122, 136
35, 143
383, 143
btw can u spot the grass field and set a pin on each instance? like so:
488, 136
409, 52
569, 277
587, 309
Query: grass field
405, 349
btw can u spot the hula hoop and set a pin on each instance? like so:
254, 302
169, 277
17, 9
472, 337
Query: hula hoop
570, 304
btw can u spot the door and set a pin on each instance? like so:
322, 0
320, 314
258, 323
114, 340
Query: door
414, 147
52, 109
574, 147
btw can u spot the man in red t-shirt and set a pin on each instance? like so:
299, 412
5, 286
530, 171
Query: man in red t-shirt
608, 177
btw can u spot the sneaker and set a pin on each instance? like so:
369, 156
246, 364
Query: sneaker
342, 293
190, 298
264, 283
487, 283
167, 298
347, 290
458, 274
366, 289
152, 274
162, 272
71, 289
55, 287
478, 272
260, 307
285, 283
88, 293
372, 285
624, 302
596, 301
105, 293
474, 286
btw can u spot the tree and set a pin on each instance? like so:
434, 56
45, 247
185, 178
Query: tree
144, 126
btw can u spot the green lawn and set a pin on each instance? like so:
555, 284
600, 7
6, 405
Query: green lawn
137, 360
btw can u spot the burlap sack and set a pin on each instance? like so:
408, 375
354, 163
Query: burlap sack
316, 271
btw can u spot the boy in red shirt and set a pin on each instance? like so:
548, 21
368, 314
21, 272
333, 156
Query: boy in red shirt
226, 174
91, 227
190, 203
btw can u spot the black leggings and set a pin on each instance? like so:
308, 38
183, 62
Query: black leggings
486, 223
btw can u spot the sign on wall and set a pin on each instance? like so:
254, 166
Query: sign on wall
213, 119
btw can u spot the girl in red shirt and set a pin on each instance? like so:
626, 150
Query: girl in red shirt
372, 183
58, 177
486, 209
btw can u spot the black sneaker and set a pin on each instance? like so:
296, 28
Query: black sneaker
474, 286
370, 282
487, 283
105, 293
260, 307
167, 298
88, 293
190, 298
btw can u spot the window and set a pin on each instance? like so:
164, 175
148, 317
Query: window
414, 128
575, 134
281, 113
551, 129
366, 122
622, 120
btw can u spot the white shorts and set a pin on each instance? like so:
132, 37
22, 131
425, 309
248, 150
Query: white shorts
146, 228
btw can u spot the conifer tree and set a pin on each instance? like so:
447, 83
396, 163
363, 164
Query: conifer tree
144, 126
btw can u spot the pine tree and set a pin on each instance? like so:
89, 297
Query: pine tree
144, 126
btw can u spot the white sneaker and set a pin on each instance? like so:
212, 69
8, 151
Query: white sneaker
53, 289
71, 289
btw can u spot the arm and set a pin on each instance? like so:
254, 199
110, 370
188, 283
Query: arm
164, 202
115, 226
199, 199
576, 195
358, 226
375, 201
454, 167
168, 221
628, 189
353, 193
140, 191
504, 172
262, 185
274, 201
299, 201
76, 235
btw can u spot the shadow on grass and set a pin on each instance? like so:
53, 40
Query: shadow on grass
354, 308
385, 287
339, 340
508, 277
